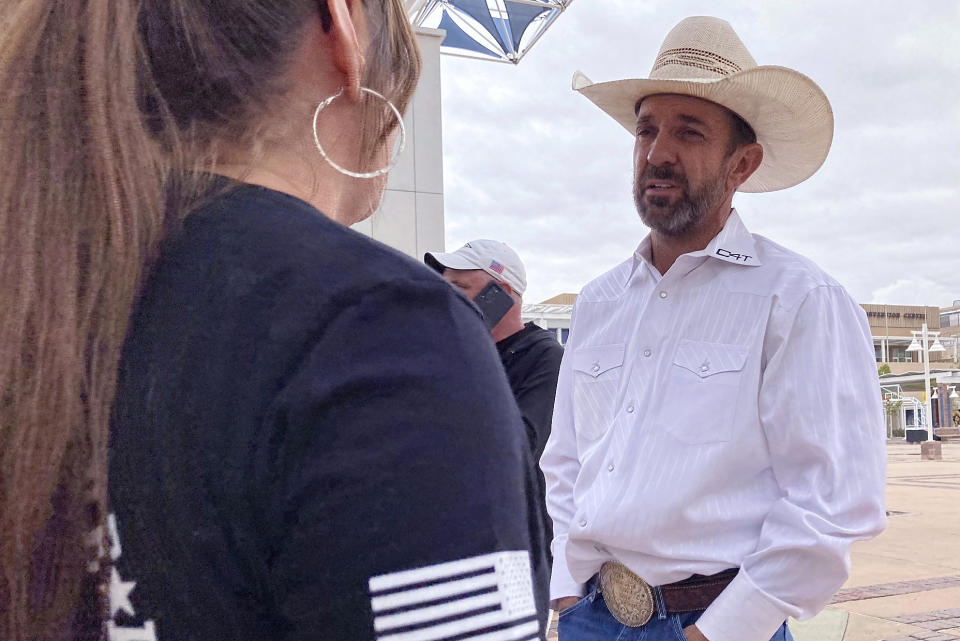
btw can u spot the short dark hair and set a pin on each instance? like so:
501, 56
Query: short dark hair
740, 133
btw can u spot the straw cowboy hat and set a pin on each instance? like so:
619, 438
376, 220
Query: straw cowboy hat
704, 58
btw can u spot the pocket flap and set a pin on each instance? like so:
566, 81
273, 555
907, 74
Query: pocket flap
706, 359
597, 359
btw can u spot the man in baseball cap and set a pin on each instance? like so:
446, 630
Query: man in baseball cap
718, 440
530, 354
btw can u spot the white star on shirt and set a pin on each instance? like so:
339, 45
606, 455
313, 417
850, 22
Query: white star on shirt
120, 594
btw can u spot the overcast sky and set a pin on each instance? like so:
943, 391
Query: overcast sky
530, 162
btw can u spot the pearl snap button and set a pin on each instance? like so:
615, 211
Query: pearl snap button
663, 294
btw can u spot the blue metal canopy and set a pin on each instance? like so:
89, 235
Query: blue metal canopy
499, 30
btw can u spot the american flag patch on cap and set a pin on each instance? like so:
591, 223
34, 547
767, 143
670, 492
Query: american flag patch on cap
482, 598
495, 266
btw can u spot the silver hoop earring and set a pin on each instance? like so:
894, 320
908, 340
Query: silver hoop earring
357, 174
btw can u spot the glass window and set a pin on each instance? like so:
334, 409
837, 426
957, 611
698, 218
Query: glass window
564, 334
900, 354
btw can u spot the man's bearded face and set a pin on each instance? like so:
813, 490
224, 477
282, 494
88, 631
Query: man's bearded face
684, 214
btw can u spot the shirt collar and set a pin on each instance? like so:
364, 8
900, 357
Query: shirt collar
734, 244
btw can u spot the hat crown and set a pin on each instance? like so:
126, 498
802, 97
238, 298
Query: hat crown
701, 47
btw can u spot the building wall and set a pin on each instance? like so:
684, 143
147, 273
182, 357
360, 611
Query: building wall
411, 216
892, 327
950, 319
900, 319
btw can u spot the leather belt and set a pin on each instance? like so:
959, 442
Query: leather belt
632, 602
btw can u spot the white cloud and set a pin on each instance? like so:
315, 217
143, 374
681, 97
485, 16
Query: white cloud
915, 291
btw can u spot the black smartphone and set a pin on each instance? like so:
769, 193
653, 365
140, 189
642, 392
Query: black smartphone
494, 302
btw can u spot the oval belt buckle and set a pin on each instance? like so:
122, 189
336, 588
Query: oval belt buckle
628, 597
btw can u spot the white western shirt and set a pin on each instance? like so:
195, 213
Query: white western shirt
725, 414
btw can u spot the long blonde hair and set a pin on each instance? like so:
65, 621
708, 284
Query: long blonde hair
103, 101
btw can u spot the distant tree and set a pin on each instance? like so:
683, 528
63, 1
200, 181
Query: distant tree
883, 369
892, 409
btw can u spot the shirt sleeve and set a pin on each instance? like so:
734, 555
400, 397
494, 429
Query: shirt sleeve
561, 465
396, 479
821, 412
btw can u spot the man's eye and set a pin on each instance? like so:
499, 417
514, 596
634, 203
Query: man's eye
644, 132
691, 133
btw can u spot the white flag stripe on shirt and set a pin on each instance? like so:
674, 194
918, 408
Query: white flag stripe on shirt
434, 572
524, 631
450, 629
512, 597
389, 621
433, 592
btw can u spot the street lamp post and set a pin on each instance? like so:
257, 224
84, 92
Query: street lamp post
921, 343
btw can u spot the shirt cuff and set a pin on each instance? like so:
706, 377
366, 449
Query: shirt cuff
741, 613
561, 583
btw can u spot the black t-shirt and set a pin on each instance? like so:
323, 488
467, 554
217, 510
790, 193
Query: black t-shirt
312, 441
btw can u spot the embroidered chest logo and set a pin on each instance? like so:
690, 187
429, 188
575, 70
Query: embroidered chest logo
726, 253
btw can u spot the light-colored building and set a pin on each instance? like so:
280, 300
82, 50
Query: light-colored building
552, 314
893, 328
410, 217
950, 319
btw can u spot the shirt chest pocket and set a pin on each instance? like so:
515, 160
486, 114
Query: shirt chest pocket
701, 390
597, 371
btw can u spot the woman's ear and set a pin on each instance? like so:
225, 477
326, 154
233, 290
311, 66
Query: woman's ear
347, 56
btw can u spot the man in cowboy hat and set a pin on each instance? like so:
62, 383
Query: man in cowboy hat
717, 441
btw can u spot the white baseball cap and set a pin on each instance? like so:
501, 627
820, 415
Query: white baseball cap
492, 256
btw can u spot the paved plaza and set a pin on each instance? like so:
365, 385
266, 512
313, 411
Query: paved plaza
905, 584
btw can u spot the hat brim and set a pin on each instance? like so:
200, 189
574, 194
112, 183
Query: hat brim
789, 113
440, 261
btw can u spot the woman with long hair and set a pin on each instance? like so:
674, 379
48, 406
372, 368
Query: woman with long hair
224, 414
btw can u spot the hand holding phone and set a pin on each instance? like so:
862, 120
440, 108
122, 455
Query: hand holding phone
494, 302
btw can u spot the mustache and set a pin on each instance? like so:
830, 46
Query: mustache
663, 173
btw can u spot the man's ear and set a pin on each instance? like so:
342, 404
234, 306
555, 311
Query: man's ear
745, 161
347, 57
507, 287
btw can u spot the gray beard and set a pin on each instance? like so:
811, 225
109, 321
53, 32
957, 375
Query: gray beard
683, 216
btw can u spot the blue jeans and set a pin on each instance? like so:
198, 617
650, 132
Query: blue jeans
590, 620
